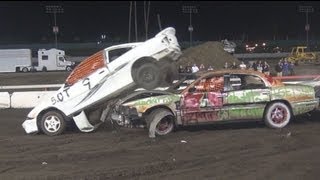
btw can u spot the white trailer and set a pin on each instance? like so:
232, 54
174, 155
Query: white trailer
51, 60
20, 60
12, 59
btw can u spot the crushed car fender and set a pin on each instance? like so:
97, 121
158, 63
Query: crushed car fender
83, 124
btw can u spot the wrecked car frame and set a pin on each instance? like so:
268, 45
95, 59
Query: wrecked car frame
101, 77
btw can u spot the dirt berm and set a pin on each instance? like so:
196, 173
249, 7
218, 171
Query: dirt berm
209, 53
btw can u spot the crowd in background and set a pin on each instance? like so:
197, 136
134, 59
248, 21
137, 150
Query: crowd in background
282, 68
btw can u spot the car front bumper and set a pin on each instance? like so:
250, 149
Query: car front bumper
30, 126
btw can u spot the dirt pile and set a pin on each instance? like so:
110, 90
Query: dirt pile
209, 53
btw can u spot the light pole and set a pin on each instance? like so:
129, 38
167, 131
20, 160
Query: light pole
190, 10
54, 9
306, 9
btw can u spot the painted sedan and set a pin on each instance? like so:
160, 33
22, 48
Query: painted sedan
219, 96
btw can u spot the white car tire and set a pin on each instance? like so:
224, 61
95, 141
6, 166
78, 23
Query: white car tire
52, 123
148, 76
277, 115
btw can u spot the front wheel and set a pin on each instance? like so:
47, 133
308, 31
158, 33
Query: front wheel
277, 115
160, 122
68, 68
52, 123
147, 76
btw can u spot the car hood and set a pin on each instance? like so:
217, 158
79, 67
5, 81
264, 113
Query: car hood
143, 104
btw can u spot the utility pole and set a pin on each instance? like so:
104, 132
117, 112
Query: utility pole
135, 20
130, 12
146, 12
159, 22
306, 9
54, 9
189, 10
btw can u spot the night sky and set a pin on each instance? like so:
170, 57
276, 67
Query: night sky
85, 21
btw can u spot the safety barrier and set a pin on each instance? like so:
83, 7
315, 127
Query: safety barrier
25, 99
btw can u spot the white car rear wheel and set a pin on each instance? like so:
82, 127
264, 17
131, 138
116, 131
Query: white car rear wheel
148, 76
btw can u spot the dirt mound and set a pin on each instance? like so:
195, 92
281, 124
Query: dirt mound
209, 53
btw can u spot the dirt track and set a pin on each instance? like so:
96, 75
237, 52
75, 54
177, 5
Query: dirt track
230, 151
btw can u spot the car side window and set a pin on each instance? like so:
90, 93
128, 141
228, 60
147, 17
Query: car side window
252, 82
210, 84
114, 54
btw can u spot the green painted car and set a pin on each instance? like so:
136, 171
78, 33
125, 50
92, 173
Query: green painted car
219, 96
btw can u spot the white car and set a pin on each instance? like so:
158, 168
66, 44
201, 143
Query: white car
102, 77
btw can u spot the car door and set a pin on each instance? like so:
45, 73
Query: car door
202, 102
245, 96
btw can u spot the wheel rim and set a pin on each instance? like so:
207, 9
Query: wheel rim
279, 115
165, 125
52, 124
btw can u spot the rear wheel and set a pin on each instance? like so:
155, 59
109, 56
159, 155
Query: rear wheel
44, 69
147, 76
24, 69
277, 115
161, 121
52, 123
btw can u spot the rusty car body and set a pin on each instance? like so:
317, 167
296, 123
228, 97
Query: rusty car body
219, 96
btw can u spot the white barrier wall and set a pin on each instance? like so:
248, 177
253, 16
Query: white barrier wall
4, 100
27, 99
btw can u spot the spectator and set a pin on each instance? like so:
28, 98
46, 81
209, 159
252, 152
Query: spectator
242, 65
266, 68
234, 65
181, 69
291, 69
210, 68
195, 68
202, 67
278, 68
285, 68
254, 66
188, 68
226, 66
259, 67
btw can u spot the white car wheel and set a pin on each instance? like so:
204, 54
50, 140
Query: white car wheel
148, 76
52, 123
277, 115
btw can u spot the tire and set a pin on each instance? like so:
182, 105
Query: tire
162, 120
69, 68
169, 72
277, 115
147, 76
44, 69
24, 69
52, 123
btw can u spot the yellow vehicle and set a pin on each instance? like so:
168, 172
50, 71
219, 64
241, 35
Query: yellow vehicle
300, 56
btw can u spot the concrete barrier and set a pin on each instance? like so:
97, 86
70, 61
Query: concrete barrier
27, 99
4, 100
